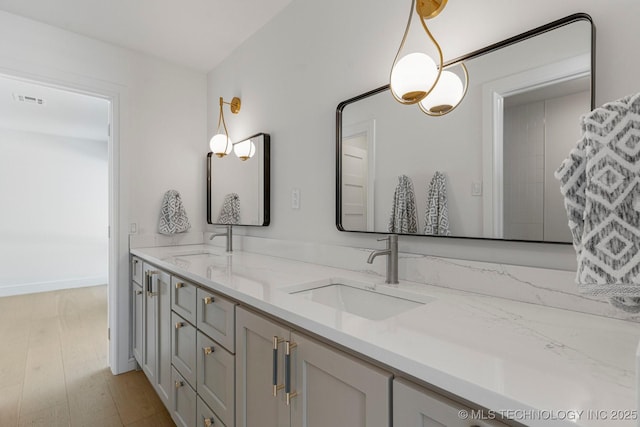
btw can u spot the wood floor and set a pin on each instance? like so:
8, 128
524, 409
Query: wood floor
53, 365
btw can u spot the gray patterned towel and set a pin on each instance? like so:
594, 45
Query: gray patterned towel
436, 216
173, 217
230, 210
600, 181
404, 218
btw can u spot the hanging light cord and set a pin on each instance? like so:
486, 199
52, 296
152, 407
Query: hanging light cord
224, 125
404, 39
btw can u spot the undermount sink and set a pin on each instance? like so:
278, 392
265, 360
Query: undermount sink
364, 300
194, 252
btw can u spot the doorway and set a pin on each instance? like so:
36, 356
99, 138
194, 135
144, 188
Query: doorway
56, 175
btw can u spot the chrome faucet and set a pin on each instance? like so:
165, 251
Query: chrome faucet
229, 236
392, 257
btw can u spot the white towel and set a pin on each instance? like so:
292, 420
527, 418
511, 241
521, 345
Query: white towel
173, 217
404, 218
230, 210
436, 216
600, 181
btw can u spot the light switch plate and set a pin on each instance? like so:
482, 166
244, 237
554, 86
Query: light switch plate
295, 198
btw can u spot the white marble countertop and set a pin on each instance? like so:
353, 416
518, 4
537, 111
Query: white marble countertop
540, 366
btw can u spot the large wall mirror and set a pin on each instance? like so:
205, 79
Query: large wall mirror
497, 151
238, 190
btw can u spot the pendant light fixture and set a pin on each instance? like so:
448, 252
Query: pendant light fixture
244, 149
417, 78
221, 144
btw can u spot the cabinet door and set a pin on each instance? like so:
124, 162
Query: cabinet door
183, 402
183, 299
136, 270
205, 417
164, 329
216, 318
255, 403
216, 376
183, 353
137, 300
335, 389
156, 345
414, 406
149, 341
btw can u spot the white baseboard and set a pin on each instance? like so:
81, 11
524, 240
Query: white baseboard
32, 288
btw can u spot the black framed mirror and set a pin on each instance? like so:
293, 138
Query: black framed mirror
238, 191
494, 156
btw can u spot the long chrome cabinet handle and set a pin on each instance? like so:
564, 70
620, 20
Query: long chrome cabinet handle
276, 387
149, 279
288, 346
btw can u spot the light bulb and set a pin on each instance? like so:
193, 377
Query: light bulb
244, 149
412, 77
445, 96
220, 144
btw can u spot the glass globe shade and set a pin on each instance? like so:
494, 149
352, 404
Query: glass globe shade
412, 77
220, 145
445, 96
245, 149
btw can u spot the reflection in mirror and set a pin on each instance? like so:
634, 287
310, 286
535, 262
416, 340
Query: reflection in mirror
238, 190
497, 151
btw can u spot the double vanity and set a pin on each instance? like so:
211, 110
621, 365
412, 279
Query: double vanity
245, 339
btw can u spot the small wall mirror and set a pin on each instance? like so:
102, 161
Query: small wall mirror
238, 190
497, 151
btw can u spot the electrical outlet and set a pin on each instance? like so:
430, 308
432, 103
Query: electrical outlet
295, 198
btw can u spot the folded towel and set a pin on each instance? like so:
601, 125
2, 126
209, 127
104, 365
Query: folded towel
230, 210
173, 217
404, 218
436, 216
600, 181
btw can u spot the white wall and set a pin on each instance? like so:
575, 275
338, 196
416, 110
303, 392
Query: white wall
292, 74
55, 216
159, 125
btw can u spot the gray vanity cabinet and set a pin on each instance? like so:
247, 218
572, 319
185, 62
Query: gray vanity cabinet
216, 378
205, 417
216, 318
156, 337
415, 406
183, 348
327, 386
183, 299
137, 305
183, 401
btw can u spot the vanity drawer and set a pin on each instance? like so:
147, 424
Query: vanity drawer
206, 417
216, 378
183, 299
136, 270
183, 403
216, 318
183, 348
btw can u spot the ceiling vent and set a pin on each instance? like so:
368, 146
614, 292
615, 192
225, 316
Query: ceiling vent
28, 99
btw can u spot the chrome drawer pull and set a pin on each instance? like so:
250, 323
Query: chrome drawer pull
207, 350
208, 300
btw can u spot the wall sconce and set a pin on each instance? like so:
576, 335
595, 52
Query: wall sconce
417, 78
244, 149
220, 143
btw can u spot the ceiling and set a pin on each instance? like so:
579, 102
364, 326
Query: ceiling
197, 34
63, 113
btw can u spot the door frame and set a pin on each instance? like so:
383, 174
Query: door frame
120, 357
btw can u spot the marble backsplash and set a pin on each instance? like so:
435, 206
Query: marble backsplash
548, 287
